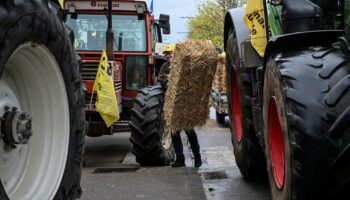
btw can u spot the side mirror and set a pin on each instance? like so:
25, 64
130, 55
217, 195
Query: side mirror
72, 10
164, 23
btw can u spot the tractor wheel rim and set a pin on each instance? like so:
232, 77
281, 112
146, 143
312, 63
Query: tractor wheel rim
276, 143
32, 82
166, 139
236, 106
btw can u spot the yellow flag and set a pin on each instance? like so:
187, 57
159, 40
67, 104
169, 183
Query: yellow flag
62, 3
254, 19
106, 103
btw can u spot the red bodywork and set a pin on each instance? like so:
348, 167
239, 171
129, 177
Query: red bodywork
92, 58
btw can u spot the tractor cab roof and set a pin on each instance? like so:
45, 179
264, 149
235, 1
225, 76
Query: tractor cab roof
120, 5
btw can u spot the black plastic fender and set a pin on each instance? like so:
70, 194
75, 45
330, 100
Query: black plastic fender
234, 19
295, 40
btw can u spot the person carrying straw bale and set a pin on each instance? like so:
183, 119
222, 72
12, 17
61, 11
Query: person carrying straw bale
176, 137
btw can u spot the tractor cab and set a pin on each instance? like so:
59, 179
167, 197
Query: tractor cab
132, 46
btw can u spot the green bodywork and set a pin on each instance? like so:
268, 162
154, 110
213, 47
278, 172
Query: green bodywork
274, 14
333, 20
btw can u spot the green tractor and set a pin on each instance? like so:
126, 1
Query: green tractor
289, 106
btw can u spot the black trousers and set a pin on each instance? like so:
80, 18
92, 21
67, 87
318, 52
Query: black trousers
192, 138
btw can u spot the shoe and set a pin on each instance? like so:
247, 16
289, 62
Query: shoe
179, 162
197, 160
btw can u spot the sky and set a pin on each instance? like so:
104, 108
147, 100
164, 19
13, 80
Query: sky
177, 9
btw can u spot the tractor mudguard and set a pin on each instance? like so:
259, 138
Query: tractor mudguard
247, 53
295, 40
234, 19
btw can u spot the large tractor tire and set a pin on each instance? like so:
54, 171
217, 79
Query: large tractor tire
41, 104
306, 119
152, 145
249, 155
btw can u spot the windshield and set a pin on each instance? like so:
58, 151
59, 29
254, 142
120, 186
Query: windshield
90, 32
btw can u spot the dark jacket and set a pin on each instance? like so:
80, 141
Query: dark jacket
164, 74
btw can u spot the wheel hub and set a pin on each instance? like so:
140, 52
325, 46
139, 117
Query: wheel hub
33, 98
166, 139
16, 127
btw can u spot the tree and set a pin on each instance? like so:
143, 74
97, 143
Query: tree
228, 4
209, 22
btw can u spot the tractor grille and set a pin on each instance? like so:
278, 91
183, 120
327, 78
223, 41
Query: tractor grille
88, 73
89, 70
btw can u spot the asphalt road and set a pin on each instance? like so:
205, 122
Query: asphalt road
111, 172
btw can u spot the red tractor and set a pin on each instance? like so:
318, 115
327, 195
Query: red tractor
129, 33
135, 34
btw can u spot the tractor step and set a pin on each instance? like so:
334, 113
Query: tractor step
121, 126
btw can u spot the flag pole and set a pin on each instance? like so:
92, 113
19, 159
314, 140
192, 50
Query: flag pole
110, 34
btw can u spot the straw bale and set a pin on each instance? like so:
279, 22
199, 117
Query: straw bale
190, 80
220, 75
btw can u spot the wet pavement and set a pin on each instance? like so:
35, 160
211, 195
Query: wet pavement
111, 172
225, 180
